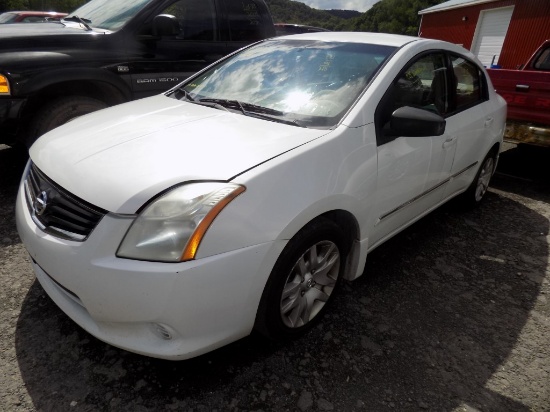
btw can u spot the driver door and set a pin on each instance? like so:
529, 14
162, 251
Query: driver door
168, 59
412, 171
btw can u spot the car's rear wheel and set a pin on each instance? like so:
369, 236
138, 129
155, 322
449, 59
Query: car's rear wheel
478, 188
303, 281
58, 112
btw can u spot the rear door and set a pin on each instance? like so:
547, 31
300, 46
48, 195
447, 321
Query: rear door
471, 114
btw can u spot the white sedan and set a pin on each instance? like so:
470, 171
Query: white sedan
173, 225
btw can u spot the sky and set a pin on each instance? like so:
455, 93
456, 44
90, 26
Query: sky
359, 5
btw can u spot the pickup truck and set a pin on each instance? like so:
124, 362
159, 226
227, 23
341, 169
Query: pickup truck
527, 91
112, 51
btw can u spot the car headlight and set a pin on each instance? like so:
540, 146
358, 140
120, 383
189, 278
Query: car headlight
4, 85
171, 228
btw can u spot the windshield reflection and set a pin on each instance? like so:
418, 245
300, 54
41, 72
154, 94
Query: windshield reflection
109, 14
309, 81
7, 17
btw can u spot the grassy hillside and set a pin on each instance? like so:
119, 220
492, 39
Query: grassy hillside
393, 16
386, 16
287, 11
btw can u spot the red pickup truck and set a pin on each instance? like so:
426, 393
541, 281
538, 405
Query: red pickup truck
527, 91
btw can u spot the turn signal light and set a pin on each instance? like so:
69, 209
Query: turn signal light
4, 85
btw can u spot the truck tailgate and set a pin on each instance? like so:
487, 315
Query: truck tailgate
526, 92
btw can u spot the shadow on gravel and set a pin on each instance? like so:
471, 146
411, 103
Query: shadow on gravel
428, 329
529, 168
12, 164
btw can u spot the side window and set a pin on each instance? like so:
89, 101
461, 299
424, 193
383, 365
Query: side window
469, 84
32, 19
423, 84
244, 20
196, 18
543, 61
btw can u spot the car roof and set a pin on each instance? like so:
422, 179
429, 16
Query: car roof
395, 40
36, 13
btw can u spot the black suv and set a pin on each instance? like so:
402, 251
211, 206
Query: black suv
112, 51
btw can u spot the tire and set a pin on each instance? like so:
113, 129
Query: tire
58, 112
477, 189
303, 281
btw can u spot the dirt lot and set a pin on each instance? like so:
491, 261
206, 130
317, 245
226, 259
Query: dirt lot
452, 315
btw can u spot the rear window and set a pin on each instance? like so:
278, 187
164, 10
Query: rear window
469, 83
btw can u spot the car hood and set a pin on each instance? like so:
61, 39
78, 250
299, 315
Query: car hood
121, 157
39, 31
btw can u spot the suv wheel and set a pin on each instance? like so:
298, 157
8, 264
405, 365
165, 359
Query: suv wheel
58, 112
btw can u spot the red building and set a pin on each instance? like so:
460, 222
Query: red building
500, 32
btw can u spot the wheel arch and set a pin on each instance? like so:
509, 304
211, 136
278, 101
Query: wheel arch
350, 226
323, 228
495, 149
351, 229
98, 84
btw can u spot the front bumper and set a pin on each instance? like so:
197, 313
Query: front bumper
164, 310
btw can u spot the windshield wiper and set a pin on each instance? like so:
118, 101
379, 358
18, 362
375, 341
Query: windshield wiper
227, 104
274, 118
260, 109
80, 20
181, 93
259, 112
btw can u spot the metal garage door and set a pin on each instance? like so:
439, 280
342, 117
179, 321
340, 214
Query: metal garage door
490, 33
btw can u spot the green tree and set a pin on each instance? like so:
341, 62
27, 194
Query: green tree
392, 16
6, 5
286, 11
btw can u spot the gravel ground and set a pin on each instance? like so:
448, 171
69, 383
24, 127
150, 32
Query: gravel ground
453, 314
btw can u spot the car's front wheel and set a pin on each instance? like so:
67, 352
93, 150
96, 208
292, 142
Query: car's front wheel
303, 281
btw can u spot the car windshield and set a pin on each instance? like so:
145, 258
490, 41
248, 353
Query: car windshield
108, 14
7, 17
306, 82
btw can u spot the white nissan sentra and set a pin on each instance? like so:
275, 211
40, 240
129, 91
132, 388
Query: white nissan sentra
176, 224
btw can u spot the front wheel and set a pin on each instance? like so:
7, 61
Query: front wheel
58, 112
302, 282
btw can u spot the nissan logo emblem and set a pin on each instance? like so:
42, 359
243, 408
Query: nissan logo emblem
41, 203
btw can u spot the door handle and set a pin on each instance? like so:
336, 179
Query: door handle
449, 142
488, 121
522, 87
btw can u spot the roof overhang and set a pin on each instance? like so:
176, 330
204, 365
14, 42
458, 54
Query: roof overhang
454, 4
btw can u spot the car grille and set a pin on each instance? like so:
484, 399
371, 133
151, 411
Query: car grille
58, 212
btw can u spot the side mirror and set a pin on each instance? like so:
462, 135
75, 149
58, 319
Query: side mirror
165, 25
414, 122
